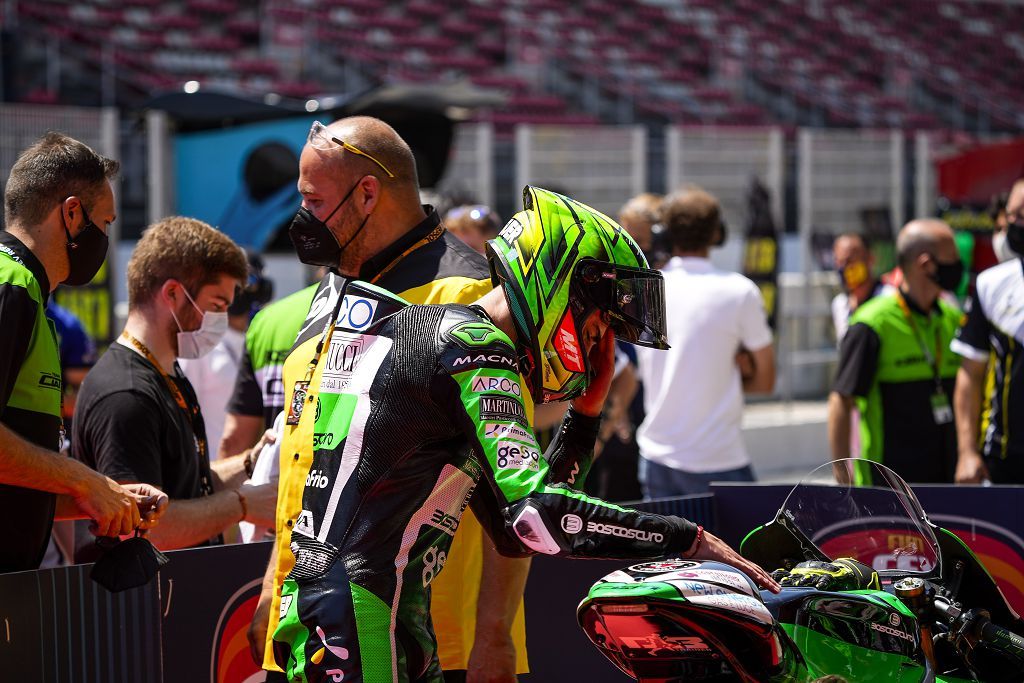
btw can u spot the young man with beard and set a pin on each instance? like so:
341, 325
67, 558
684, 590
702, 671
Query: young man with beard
138, 419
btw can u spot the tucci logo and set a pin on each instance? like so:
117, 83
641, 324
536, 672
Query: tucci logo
230, 661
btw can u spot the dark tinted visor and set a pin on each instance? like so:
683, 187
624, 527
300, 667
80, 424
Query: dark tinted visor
634, 299
638, 313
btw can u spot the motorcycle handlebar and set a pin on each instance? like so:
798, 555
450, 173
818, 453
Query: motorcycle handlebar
1003, 639
979, 622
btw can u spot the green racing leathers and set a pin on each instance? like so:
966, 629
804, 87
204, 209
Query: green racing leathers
420, 413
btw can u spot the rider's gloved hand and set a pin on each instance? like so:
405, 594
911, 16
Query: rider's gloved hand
841, 575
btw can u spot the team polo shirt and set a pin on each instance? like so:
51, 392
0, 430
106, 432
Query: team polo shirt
884, 365
30, 394
993, 334
443, 270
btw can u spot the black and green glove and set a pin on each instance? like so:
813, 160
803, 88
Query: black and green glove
843, 574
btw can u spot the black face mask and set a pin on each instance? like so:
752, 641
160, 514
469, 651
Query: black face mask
1015, 237
314, 242
85, 252
948, 275
128, 564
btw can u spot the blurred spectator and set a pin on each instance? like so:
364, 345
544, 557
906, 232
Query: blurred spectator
138, 419
474, 225
714, 319
213, 376
997, 211
55, 191
640, 218
895, 365
989, 343
854, 263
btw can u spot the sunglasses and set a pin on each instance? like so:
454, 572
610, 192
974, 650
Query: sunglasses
321, 138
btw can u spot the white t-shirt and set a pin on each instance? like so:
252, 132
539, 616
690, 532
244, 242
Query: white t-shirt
693, 393
213, 378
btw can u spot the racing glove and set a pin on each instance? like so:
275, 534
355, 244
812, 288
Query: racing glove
843, 574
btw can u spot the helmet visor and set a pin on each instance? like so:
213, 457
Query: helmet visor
638, 309
634, 299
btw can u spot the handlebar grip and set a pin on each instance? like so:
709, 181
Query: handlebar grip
1001, 638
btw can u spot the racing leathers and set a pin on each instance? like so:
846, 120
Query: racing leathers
420, 413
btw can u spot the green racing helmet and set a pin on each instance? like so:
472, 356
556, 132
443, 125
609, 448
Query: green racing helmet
558, 261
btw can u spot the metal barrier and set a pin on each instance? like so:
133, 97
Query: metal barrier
602, 166
471, 167
723, 161
23, 124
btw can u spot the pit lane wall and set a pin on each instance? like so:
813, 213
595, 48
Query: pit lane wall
189, 625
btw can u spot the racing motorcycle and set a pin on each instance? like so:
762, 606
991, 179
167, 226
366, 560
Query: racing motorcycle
883, 595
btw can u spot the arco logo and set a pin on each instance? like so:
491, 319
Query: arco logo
230, 661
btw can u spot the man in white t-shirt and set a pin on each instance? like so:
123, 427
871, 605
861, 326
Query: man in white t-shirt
721, 347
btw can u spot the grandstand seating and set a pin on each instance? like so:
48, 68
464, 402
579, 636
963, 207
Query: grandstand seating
869, 63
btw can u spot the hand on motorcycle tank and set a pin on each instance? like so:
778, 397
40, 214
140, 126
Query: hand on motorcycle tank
711, 547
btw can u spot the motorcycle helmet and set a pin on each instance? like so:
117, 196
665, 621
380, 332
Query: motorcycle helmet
558, 261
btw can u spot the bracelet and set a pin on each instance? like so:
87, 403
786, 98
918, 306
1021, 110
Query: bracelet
697, 542
242, 502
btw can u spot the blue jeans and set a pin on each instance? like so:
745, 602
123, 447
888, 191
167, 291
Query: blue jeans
659, 481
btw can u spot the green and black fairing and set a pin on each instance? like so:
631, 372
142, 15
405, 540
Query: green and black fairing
558, 261
676, 620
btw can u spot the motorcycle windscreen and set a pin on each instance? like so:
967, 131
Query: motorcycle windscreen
881, 524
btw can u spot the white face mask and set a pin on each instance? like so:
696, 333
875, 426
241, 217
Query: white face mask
198, 343
1001, 248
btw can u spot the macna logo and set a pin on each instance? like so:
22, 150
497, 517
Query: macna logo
484, 383
484, 359
48, 380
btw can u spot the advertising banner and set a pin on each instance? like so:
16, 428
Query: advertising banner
242, 180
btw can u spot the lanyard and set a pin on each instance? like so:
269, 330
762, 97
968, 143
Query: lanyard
934, 361
434, 235
325, 336
179, 398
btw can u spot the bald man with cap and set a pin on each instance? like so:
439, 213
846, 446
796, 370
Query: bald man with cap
361, 217
895, 366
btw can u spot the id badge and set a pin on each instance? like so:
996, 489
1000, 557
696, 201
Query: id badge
941, 410
298, 402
